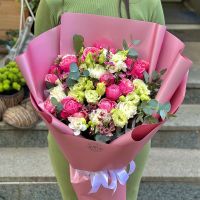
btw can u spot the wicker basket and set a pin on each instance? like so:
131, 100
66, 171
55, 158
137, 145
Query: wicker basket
14, 99
2, 108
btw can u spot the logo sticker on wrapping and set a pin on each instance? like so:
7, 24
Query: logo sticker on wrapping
95, 147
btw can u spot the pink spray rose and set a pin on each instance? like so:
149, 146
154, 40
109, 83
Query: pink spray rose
81, 114
108, 79
51, 78
126, 86
129, 62
139, 67
113, 92
93, 50
70, 107
49, 106
67, 61
54, 70
107, 104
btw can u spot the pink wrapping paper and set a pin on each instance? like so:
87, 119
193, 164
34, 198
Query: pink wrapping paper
158, 46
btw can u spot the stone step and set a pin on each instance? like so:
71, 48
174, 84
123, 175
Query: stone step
180, 132
26, 174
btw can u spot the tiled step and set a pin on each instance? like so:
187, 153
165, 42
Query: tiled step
26, 174
180, 132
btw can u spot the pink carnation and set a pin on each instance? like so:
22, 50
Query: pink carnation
126, 86
54, 70
139, 67
51, 78
107, 78
70, 107
49, 106
67, 61
107, 104
113, 92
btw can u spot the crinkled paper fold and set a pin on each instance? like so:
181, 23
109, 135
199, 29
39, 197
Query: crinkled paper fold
158, 46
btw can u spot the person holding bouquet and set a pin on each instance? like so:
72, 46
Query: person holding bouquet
47, 17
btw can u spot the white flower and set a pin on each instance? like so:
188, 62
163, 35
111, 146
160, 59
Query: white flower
97, 71
58, 92
128, 108
117, 67
77, 124
119, 56
98, 116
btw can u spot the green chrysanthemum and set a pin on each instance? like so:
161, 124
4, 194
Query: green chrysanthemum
91, 96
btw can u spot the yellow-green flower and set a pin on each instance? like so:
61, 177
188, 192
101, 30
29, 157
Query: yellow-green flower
141, 89
119, 117
89, 60
128, 107
89, 85
78, 87
101, 88
133, 97
77, 94
91, 96
102, 58
119, 56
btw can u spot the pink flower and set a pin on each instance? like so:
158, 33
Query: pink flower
129, 62
51, 78
70, 107
93, 50
54, 70
107, 104
67, 61
126, 86
81, 114
139, 67
49, 106
113, 92
108, 79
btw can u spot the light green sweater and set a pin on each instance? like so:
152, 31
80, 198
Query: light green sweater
49, 11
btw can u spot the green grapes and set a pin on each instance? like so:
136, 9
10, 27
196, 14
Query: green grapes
11, 78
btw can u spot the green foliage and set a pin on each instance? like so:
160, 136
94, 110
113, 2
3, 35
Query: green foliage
132, 53
136, 42
58, 105
78, 41
147, 111
125, 45
154, 81
102, 138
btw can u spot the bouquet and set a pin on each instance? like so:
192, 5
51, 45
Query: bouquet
100, 92
103, 93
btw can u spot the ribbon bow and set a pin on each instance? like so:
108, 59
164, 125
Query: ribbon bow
102, 178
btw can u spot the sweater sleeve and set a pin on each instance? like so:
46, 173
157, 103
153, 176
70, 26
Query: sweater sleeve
44, 18
158, 15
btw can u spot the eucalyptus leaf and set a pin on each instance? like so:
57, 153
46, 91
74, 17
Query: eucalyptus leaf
54, 101
166, 107
78, 42
125, 45
70, 82
147, 110
59, 107
163, 71
74, 67
136, 42
74, 75
86, 73
132, 53
150, 120
163, 114
155, 75
146, 76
